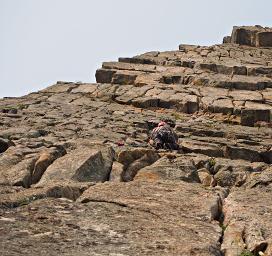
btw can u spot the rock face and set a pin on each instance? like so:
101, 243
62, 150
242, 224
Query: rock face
78, 177
254, 230
252, 36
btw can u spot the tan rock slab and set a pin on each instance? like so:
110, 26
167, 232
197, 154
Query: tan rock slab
82, 164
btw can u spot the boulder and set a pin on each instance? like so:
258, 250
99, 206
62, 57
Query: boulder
259, 179
83, 164
104, 75
128, 156
17, 164
147, 159
170, 168
20, 174
229, 176
46, 158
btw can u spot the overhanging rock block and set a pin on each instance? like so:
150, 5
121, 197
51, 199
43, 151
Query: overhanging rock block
255, 36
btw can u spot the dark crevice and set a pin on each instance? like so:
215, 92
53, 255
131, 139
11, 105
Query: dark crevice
69, 192
221, 217
87, 200
261, 184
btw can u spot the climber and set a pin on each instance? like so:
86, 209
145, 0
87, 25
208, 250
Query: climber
163, 137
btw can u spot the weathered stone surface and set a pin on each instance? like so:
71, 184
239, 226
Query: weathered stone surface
116, 172
158, 208
17, 165
128, 156
209, 149
260, 179
205, 177
83, 164
245, 153
228, 177
25, 197
170, 168
46, 158
130, 220
247, 216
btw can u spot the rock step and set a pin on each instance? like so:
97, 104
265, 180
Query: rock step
236, 69
55, 190
229, 54
196, 64
236, 82
139, 79
252, 106
186, 101
189, 55
182, 76
160, 62
213, 128
226, 149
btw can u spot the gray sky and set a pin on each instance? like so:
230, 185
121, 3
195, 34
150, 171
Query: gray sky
43, 41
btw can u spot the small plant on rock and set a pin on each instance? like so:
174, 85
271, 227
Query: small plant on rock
212, 161
246, 253
224, 227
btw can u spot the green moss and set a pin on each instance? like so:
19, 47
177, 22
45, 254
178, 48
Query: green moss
223, 227
212, 161
246, 253
27, 200
19, 106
